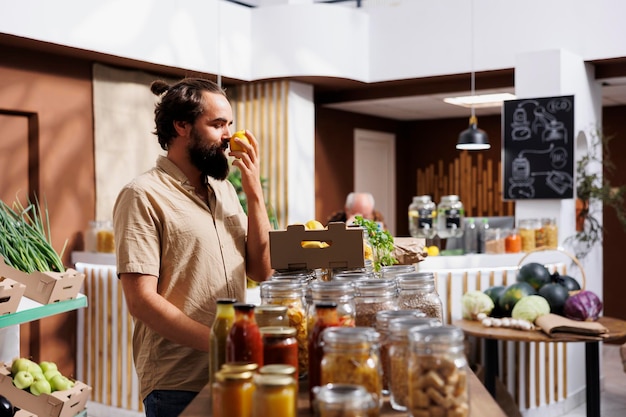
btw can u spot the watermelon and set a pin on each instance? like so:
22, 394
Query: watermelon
512, 294
556, 295
534, 274
495, 291
565, 280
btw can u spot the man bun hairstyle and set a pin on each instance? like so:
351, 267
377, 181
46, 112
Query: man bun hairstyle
180, 102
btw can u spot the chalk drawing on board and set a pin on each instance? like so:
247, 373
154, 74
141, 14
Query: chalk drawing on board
521, 181
559, 181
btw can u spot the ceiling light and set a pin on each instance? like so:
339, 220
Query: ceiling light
481, 100
473, 139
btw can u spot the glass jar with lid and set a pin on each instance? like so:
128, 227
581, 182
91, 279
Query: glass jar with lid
398, 357
271, 315
383, 318
292, 295
274, 395
345, 400
450, 215
437, 354
527, 230
340, 292
231, 394
422, 217
372, 296
416, 290
325, 317
551, 232
280, 345
513, 242
351, 356
390, 271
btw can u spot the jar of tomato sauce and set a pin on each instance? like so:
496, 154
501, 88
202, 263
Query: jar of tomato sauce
513, 242
280, 346
325, 317
244, 343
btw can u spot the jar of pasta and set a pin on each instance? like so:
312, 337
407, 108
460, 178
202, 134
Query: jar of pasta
274, 395
438, 376
290, 294
351, 356
527, 228
383, 318
372, 296
231, 394
398, 358
551, 232
341, 293
343, 400
416, 290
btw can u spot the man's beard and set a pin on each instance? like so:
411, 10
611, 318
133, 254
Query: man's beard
209, 159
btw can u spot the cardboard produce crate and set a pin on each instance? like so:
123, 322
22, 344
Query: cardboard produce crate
46, 287
344, 250
24, 413
10, 294
66, 403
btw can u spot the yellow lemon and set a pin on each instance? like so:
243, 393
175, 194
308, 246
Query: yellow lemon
432, 251
240, 134
314, 225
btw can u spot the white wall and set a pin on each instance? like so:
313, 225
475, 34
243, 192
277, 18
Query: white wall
383, 40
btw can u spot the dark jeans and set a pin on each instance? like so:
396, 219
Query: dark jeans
167, 403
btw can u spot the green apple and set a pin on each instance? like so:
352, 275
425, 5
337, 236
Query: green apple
23, 379
60, 383
20, 364
50, 373
40, 386
35, 370
47, 366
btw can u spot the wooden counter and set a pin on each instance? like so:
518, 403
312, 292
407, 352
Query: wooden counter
481, 403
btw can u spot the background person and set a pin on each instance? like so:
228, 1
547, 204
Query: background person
183, 240
358, 204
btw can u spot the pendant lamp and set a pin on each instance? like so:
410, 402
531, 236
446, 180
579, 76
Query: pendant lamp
473, 138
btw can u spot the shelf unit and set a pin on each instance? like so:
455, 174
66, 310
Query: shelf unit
30, 310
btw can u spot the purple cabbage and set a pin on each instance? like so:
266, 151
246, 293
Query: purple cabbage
583, 306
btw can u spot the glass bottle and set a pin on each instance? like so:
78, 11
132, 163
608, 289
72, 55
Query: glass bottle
244, 343
483, 230
470, 237
292, 295
340, 292
422, 217
274, 395
437, 354
280, 346
231, 394
417, 291
224, 318
325, 317
398, 358
450, 215
383, 318
351, 356
372, 296
345, 400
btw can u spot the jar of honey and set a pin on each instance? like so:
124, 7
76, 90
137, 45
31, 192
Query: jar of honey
274, 395
231, 394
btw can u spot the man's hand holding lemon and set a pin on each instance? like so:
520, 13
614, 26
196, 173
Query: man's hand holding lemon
238, 142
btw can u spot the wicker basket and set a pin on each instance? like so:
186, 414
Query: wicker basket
561, 251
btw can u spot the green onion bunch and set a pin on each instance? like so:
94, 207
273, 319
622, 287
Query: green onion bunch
25, 240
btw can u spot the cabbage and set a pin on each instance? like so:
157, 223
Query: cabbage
530, 307
476, 302
583, 306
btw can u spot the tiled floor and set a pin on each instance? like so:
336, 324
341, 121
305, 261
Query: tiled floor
613, 394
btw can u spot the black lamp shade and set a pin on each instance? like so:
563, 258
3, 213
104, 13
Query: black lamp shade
473, 138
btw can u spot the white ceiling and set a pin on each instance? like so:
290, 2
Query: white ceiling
433, 107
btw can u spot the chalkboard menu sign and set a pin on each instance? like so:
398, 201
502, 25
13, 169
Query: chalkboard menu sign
538, 147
